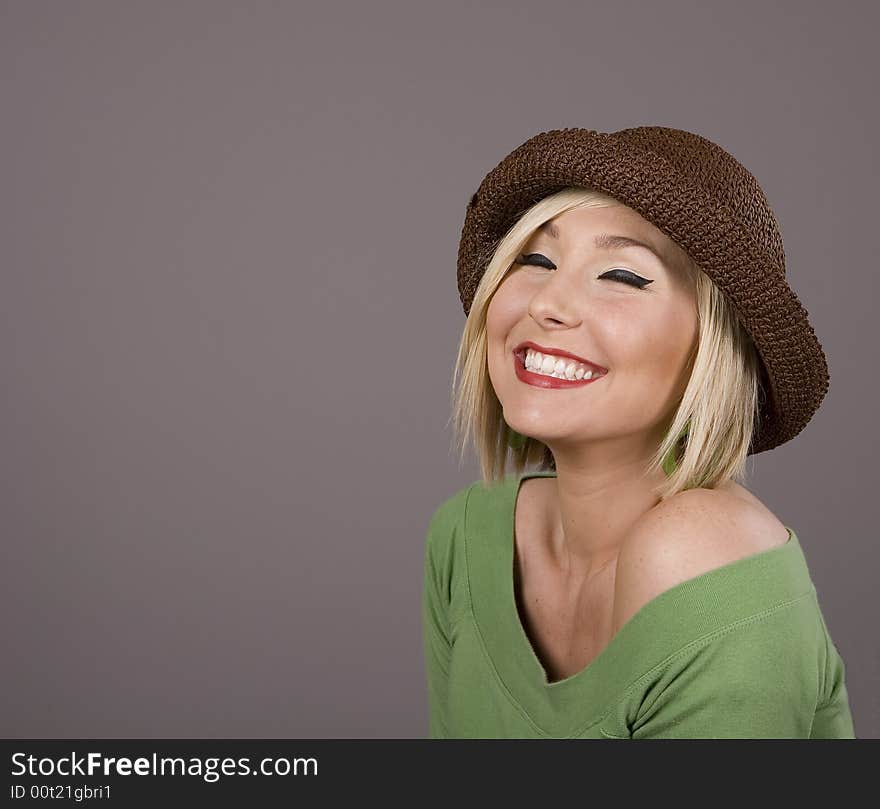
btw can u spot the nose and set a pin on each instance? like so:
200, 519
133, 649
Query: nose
555, 302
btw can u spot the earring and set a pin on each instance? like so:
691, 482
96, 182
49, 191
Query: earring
515, 440
669, 463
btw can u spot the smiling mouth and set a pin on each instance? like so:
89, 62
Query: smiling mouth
556, 363
560, 375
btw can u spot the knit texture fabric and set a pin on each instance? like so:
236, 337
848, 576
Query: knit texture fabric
703, 199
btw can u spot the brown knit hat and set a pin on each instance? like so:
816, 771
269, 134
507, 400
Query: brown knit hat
709, 204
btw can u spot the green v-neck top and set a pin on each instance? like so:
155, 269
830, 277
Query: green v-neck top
742, 651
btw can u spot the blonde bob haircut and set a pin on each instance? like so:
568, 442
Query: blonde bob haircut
709, 433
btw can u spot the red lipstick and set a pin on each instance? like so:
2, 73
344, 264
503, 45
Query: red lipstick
543, 381
560, 352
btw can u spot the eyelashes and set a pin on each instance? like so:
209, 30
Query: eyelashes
627, 277
624, 276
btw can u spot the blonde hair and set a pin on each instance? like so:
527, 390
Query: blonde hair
708, 438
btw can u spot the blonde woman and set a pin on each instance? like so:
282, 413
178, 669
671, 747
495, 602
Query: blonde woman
630, 329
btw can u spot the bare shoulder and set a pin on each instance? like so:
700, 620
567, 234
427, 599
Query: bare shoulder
690, 534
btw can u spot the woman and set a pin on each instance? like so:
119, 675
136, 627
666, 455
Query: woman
629, 326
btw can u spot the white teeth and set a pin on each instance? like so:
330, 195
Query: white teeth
548, 365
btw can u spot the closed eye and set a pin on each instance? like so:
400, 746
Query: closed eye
627, 277
617, 274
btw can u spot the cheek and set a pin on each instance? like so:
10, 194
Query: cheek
653, 343
682, 332
503, 311
660, 355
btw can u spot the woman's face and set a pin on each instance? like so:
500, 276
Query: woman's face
592, 300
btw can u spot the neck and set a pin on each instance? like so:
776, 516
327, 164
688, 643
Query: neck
592, 510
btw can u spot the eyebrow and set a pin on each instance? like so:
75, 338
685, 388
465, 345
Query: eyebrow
605, 241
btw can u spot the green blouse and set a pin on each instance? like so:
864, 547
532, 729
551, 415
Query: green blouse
741, 651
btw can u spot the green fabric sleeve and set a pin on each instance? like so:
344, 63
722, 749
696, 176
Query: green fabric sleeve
437, 643
834, 719
833, 715
751, 680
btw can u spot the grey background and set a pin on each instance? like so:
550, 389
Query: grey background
230, 316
